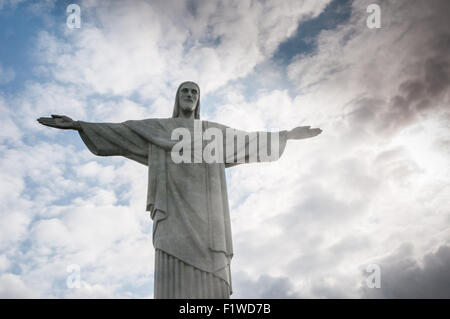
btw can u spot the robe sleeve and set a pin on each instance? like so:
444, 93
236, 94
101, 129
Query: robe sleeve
257, 147
250, 147
114, 139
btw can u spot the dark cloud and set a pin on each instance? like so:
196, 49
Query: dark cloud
418, 97
423, 80
403, 277
192, 7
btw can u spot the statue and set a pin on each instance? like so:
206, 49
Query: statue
187, 193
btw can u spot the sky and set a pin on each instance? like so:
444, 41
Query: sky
371, 191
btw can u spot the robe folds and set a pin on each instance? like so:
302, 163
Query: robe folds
187, 201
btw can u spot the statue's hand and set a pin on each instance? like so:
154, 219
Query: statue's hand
59, 121
303, 132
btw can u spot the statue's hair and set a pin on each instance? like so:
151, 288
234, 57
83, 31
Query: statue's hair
176, 108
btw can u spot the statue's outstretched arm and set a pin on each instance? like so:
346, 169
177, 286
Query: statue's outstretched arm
302, 132
104, 139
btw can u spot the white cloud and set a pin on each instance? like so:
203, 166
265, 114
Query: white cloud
4, 263
106, 59
13, 227
11, 286
10, 132
87, 291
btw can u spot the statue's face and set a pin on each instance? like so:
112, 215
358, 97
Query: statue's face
188, 97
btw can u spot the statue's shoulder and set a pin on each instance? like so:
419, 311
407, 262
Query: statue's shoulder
215, 124
149, 125
169, 123
149, 121
156, 119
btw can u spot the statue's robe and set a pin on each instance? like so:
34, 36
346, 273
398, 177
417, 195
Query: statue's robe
187, 201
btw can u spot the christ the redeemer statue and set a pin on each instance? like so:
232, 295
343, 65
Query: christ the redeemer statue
187, 199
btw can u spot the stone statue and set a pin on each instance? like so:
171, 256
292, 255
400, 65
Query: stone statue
187, 198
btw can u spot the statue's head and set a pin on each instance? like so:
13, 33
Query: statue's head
187, 100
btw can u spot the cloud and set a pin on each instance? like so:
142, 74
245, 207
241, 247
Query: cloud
54, 213
10, 131
170, 41
339, 200
354, 64
86, 291
11, 286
